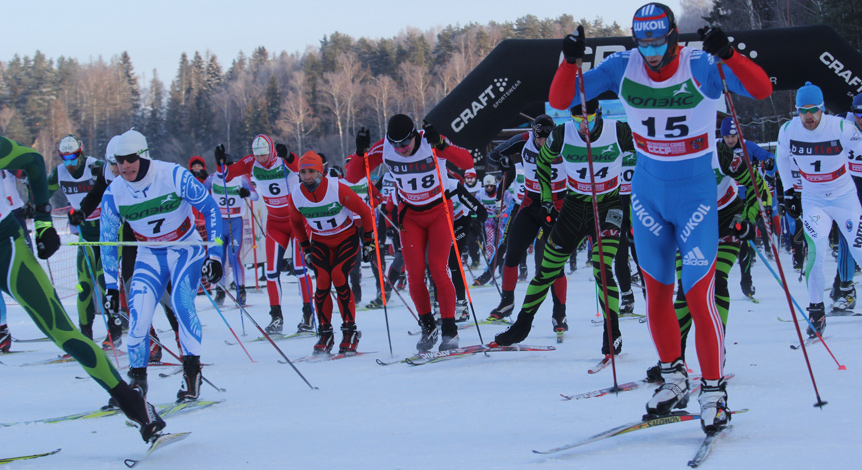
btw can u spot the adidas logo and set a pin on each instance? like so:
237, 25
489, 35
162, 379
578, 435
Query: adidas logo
695, 258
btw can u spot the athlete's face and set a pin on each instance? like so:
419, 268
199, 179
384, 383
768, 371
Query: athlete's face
262, 159
810, 115
540, 141
731, 140
128, 168
407, 149
858, 118
309, 176
470, 180
114, 169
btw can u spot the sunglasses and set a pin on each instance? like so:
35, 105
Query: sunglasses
858, 114
68, 157
811, 110
400, 144
127, 158
580, 119
652, 42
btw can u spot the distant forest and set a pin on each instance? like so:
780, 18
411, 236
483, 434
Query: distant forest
316, 99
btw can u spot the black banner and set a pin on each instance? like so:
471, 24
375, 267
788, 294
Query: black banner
518, 72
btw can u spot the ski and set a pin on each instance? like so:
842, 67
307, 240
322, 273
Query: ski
169, 409
176, 371
279, 337
27, 457
706, 446
843, 313
606, 391
622, 316
807, 342
326, 357
751, 299
645, 423
606, 361
66, 358
164, 410
461, 326
429, 357
34, 340
161, 441
4, 353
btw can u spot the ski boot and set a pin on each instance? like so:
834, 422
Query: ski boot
714, 414
507, 304
325, 340
522, 274
748, 289
482, 279
836, 288
87, 331
618, 345
115, 333
219, 297
846, 297
190, 389
307, 323
429, 332
5, 339
376, 303
673, 393
517, 331
136, 408
350, 338
627, 303
277, 324
137, 382
462, 313
241, 296
474, 265
653, 374
558, 319
817, 316
449, 337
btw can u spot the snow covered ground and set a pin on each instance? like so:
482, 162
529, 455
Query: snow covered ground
474, 412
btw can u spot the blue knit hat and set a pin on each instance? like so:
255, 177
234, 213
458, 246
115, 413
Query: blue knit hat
857, 104
809, 94
728, 127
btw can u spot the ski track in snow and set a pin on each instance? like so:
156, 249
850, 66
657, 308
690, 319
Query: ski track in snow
475, 412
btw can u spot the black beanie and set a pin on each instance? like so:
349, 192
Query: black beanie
399, 128
592, 106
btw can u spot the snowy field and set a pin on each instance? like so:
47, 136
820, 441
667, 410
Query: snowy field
473, 412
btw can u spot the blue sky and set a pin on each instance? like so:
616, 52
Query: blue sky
156, 32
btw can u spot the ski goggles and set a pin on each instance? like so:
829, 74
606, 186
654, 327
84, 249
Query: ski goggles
858, 114
652, 42
580, 119
68, 157
132, 158
809, 110
400, 144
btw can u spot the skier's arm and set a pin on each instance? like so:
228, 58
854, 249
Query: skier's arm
355, 168
190, 189
296, 221
92, 200
459, 156
624, 137
565, 90
246, 183
509, 148
109, 229
14, 156
743, 76
349, 199
548, 153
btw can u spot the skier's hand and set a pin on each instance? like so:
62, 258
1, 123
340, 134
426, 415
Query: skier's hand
574, 45
792, 204
433, 136
281, 150
768, 164
112, 301
504, 162
368, 248
549, 214
244, 193
77, 217
47, 240
363, 141
212, 270
306, 253
715, 42
28, 211
744, 229
220, 155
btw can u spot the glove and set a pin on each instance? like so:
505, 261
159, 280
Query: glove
220, 155
363, 141
574, 45
112, 301
792, 204
244, 193
504, 162
77, 217
715, 42
212, 270
432, 136
768, 164
744, 229
28, 211
549, 213
368, 247
306, 253
47, 240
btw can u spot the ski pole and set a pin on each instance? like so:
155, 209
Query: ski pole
97, 293
823, 341
257, 325
772, 242
152, 244
598, 227
209, 296
253, 242
386, 279
377, 251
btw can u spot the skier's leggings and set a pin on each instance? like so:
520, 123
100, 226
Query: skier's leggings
233, 250
278, 235
334, 260
28, 284
427, 231
573, 224
462, 225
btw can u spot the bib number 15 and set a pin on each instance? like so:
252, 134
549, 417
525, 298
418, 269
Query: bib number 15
674, 127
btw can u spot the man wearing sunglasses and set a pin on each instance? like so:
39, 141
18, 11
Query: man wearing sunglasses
671, 94
156, 199
76, 176
819, 146
425, 231
574, 220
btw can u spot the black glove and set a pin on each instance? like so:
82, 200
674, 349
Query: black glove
504, 162
306, 253
212, 270
549, 213
220, 155
744, 229
368, 247
363, 141
792, 204
574, 45
47, 240
244, 193
768, 164
77, 217
112, 301
715, 42
431, 135
28, 211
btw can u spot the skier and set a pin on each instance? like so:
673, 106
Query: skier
76, 176
471, 183
575, 220
464, 204
32, 289
410, 155
524, 148
670, 94
274, 169
326, 204
818, 146
230, 193
156, 198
